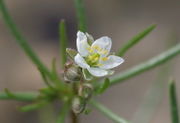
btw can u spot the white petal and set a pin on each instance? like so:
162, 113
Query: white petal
82, 44
105, 45
111, 62
97, 72
80, 61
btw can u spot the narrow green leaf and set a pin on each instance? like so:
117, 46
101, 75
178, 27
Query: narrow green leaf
58, 82
135, 40
103, 87
9, 94
138, 69
63, 113
21, 40
32, 107
173, 102
71, 53
63, 41
81, 17
19, 96
53, 67
47, 91
45, 78
108, 113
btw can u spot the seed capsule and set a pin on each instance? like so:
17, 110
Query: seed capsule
85, 91
72, 72
78, 105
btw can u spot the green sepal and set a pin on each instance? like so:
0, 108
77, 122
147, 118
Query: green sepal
71, 53
103, 87
90, 39
87, 75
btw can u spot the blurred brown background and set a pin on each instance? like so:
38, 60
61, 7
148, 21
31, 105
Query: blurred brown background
119, 19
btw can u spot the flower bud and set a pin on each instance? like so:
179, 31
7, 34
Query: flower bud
72, 72
78, 105
85, 90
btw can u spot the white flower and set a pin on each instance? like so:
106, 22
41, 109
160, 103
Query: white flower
94, 55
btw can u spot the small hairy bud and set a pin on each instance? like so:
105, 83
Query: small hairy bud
72, 72
78, 105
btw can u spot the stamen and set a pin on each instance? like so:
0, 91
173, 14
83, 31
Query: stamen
90, 50
93, 59
104, 58
98, 65
96, 59
96, 47
104, 52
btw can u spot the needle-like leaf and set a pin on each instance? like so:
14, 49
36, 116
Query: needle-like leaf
81, 17
145, 66
104, 86
107, 112
63, 42
173, 102
19, 96
32, 107
135, 40
21, 40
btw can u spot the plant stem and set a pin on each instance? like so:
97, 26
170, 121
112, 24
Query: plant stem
74, 118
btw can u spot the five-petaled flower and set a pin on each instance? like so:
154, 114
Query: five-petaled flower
94, 55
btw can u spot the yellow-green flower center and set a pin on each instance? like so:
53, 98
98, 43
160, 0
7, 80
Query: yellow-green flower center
93, 59
94, 56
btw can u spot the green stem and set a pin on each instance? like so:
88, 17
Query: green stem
74, 118
173, 102
21, 40
158, 60
107, 112
30, 96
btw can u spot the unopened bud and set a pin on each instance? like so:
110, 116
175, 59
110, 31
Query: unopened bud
72, 73
78, 105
